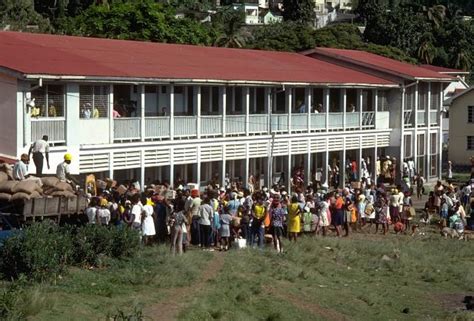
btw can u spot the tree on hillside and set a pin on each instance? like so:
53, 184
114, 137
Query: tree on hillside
285, 36
19, 14
301, 11
229, 23
138, 20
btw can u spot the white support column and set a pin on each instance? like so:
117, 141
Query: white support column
198, 112
415, 129
289, 105
342, 165
402, 130
326, 93
247, 165
198, 166
307, 176
142, 170
308, 104
359, 159
111, 165
247, 111
111, 112
223, 168
376, 108
428, 136
24, 120
344, 107
268, 108
374, 161
440, 133
171, 168
326, 162
141, 91
171, 111
224, 109
360, 102
288, 176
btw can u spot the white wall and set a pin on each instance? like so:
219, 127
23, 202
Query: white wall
8, 112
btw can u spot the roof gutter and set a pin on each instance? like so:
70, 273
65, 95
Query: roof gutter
200, 81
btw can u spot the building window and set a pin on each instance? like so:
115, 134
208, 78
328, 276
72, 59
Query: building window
433, 143
94, 101
49, 101
407, 144
470, 142
470, 114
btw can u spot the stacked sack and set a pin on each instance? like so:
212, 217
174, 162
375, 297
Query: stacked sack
24, 190
53, 187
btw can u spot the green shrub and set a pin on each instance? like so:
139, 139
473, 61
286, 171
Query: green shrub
92, 242
40, 251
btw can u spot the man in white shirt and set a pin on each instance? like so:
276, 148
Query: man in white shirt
20, 169
40, 150
62, 170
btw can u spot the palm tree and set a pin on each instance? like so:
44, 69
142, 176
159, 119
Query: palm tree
426, 51
435, 14
232, 33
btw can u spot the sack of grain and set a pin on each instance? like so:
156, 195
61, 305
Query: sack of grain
101, 184
7, 169
121, 190
6, 187
63, 186
67, 194
35, 194
49, 181
5, 197
20, 196
3, 177
26, 186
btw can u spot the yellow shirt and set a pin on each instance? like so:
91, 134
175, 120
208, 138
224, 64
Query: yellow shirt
259, 211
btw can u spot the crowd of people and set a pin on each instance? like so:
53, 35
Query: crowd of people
219, 217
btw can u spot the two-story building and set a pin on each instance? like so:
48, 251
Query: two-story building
151, 111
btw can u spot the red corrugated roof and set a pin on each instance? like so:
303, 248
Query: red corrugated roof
78, 56
444, 69
379, 63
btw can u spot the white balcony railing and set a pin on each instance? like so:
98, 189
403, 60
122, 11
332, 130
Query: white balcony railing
368, 120
352, 120
299, 122
235, 124
408, 118
127, 128
258, 124
318, 121
211, 125
336, 120
279, 123
185, 126
53, 127
157, 127
434, 118
383, 120
421, 114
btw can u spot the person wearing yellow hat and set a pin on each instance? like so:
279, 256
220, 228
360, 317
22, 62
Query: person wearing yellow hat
63, 172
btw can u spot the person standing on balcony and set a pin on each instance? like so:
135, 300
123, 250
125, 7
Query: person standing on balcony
52, 109
301, 107
40, 150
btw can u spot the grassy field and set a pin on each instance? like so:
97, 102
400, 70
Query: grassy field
364, 277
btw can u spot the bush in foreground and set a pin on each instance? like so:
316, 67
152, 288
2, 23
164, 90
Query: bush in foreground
44, 250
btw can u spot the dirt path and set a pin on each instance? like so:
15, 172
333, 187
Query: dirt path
311, 307
176, 298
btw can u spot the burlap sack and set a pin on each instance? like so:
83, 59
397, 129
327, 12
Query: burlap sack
5, 197
121, 190
101, 184
3, 177
26, 186
67, 194
20, 196
35, 194
63, 186
49, 181
7, 169
6, 187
